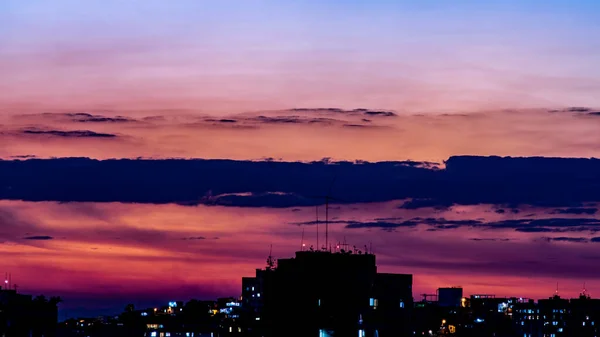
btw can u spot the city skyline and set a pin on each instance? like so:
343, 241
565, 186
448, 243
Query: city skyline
400, 91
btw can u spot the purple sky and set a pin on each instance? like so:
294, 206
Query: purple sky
293, 81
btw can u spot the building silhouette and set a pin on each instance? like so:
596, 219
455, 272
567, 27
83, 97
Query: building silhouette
27, 316
450, 297
325, 293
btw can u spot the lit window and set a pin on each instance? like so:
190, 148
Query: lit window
401, 304
361, 333
252, 288
258, 295
373, 302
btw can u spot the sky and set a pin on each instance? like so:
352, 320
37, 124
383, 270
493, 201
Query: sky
282, 90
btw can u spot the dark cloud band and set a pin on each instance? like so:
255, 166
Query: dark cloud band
509, 182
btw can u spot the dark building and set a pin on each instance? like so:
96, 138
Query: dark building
526, 318
558, 317
252, 302
487, 315
554, 314
450, 297
322, 293
584, 316
477, 316
25, 316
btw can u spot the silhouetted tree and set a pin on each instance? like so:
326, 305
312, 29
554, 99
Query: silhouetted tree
130, 308
45, 315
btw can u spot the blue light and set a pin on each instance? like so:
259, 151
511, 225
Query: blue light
479, 320
173, 304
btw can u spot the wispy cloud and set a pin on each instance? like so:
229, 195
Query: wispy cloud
353, 112
39, 237
68, 134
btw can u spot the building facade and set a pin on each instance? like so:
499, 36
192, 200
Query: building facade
322, 293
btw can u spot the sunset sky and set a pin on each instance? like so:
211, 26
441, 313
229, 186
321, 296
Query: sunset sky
276, 87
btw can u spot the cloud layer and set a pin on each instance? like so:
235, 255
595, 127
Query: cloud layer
507, 182
298, 134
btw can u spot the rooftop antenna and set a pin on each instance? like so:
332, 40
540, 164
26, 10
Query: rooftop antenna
345, 245
556, 289
6, 281
317, 208
327, 198
302, 241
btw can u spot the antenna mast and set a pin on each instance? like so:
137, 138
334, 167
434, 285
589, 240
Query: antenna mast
326, 221
327, 198
317, 209
302, 241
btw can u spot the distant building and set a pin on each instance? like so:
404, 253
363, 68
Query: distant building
322, 293
450, 297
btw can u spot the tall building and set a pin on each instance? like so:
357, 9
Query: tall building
554, 314
585, 316
323, 293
